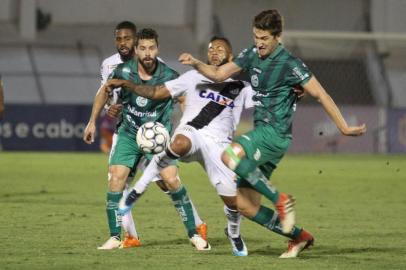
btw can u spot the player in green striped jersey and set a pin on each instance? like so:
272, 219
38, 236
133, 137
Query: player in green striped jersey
274, 75
137, 110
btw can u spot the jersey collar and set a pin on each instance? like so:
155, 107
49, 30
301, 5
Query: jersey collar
276, 52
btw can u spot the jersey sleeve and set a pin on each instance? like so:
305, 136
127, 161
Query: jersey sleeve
104, 73
244, 58
300, 73
180, 85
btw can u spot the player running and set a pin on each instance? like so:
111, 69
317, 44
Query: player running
212, 112
125, 154
274, 73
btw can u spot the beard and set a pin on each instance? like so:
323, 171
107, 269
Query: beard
127, 56
148, 65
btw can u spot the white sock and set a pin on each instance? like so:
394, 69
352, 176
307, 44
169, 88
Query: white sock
127, 220
198, 220
150, 173
233, 221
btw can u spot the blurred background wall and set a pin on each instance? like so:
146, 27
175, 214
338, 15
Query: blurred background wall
51, 51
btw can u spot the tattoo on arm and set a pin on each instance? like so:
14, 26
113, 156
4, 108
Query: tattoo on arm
147, 91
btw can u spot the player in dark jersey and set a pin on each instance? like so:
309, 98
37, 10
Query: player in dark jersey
126, 154
274, 74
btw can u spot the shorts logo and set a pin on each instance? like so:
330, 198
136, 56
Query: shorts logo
254, 80
141, 101
257, 155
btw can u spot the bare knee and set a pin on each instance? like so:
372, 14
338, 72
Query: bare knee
170, 177
117, 178
247, 207
181, 145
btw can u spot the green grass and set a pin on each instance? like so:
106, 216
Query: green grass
52, 216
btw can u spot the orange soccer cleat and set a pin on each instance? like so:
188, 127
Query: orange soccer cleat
130, 242
295, 246
202, 230
286, 213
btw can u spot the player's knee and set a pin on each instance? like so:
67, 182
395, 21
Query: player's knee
170, 176
246, 209
181, 145
116, 184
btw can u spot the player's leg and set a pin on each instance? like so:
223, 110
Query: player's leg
257, 147
222, 179
124, 155
118, 175
131, 238
183, 205
249, 204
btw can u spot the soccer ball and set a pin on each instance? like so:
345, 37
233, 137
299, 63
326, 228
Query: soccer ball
152, 137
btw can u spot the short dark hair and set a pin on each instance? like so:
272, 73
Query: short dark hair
147, 33
222, 39
126, 25
270, 20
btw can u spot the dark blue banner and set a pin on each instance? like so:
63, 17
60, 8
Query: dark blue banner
45, 128
397, 130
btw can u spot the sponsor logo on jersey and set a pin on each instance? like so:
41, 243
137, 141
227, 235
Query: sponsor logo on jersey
241, 54
254, 80
216, 97
141, 101
136, 113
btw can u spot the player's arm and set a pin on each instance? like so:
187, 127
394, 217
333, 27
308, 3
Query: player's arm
99, 101
314, 89
147, 91
217, 74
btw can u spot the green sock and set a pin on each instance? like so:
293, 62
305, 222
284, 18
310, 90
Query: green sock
269, 219
184, 207
248, 170
113, 218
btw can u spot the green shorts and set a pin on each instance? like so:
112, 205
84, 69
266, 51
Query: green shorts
126, 152
265, 146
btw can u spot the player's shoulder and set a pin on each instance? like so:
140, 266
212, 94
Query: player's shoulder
112, 60
247, 52
167, 70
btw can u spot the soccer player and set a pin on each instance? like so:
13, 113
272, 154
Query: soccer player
125, 154
124, 35
212, 112
274, 72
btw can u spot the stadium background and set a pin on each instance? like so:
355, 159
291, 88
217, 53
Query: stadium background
349, 191
50, 53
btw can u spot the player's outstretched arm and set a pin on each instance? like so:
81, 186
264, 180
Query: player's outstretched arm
147, 91
314, 88
99, 100
215, 73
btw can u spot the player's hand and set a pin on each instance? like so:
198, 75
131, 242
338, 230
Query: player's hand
355, 131
88, 134
299, 91
115, 110
187, 59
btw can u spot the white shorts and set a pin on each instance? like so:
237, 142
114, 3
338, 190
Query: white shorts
207, 149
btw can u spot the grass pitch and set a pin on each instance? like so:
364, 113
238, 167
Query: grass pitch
53, 217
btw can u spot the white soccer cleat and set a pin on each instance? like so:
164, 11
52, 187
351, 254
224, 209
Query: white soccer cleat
112, 243
199, 243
